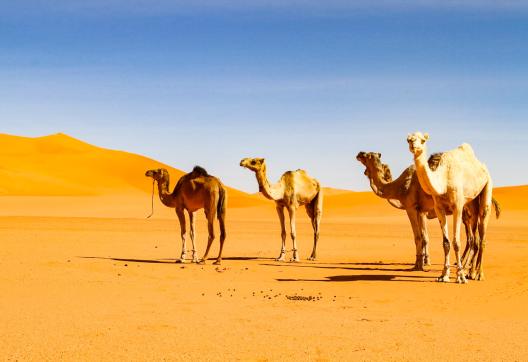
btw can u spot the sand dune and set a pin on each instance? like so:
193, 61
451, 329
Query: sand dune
60, 165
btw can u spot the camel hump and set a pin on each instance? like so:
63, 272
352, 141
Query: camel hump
466, 147
199, 171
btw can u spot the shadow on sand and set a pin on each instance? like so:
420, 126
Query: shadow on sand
364, 277
352, 266
172, 261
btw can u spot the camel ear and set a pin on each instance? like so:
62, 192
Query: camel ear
379, 155
426, 136
261, 160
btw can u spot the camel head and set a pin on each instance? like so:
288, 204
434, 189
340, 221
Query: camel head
371, 160
253, 164
373, 164
416, 143
157, 174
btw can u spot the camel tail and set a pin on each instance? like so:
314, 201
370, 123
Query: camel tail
497, 207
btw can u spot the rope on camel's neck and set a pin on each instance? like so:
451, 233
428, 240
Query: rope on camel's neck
152, 200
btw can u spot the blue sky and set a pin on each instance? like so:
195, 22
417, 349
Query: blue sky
301, 83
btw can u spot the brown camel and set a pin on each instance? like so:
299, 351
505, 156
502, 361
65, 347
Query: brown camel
459, 178
194, 191
294, 189
406, 193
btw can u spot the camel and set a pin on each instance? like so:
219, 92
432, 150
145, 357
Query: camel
459, 178
194, 191
406, 193
294, 189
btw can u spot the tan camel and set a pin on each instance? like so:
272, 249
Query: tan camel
406, 193
194, 191
294, 189
459, 179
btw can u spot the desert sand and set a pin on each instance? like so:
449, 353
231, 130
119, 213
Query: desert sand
86, 277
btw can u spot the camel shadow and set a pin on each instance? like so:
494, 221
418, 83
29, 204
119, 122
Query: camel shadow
171, 261
361, 277
130, 260
244, 258
360, 268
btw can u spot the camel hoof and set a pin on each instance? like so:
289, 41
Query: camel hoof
294, 260
312, 258
443, 279
480, 276
461, 279
201, 262
427, 262
180, 261
417, 268
217, 262
281, 257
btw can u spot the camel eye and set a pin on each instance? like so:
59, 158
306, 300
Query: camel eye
253, 162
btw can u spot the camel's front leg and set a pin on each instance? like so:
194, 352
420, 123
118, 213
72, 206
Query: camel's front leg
457, 222
181, 219
412, 214
445, 242
192, 227
291, 212
422, 223
280, 212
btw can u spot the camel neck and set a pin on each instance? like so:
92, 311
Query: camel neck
382, 188
271, 192
429, 180
163, 191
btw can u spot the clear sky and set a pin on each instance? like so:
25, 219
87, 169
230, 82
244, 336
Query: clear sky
303, 83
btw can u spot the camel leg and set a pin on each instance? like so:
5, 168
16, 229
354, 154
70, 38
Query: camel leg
470, 220
412, 214
457, 222
280, 212
445, 242
422, 223
221, 221
291, 212
210, 215
484, 216
181, 219
316, 211
466, 255
192, 223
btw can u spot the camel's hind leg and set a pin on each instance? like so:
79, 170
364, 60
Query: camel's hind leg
221, 221
181, 219
470, 220
315, 211
280, 212
484, 216
210, 214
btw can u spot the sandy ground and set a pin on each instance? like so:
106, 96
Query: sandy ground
107, 288
84, 276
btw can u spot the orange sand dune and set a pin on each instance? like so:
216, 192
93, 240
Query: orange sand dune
59, 165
